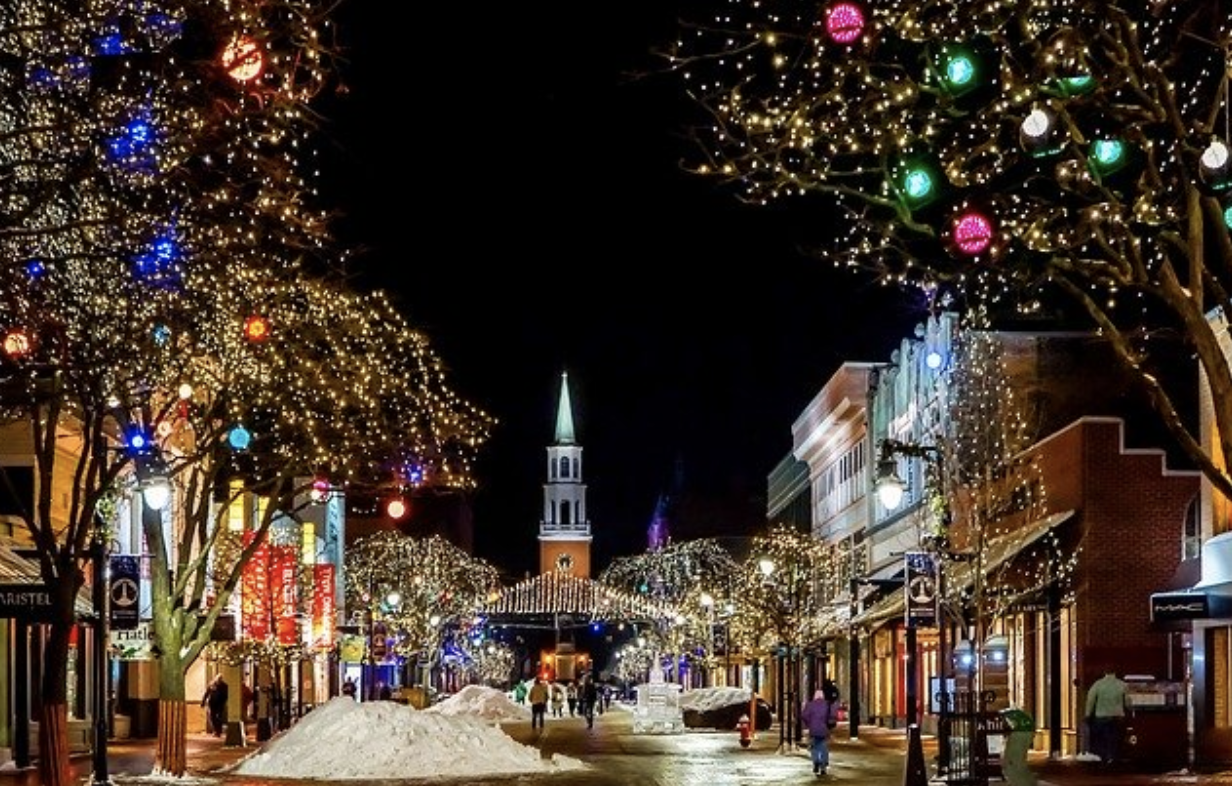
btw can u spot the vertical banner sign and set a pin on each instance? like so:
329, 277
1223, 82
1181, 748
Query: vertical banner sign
920, 584
125, 592
323, 612
720, 639
285, 593
254, 592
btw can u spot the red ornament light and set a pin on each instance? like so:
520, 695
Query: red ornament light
242, 59
17, 344
972, 233
320, 490
256, 328
844, 22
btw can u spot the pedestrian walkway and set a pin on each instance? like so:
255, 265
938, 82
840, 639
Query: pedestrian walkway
876, 758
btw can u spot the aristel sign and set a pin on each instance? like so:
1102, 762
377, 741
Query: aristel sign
29, 602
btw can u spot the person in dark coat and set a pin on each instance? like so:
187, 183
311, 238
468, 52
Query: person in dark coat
820, 716
215, 703
588, 697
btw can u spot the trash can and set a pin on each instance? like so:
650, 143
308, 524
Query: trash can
1014, 758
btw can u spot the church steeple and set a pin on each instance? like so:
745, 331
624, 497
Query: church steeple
564, 414
564, 531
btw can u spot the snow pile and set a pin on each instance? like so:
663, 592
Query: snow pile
346, 740
703, 699
482, 702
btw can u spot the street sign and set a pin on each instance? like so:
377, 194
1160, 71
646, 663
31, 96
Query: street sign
29, 602
920, 585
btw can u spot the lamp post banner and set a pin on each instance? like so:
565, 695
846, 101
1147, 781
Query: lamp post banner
920, 584
125, 592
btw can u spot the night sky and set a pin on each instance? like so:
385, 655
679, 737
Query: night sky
512, 172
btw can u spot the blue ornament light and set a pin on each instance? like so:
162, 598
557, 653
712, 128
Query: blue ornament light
138, 441
158, 263
110, 43
134, 146
238, 437
161, 335
35, 268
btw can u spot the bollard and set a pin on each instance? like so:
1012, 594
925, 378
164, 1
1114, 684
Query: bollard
915, 774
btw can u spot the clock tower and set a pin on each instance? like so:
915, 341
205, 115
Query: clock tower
564, 531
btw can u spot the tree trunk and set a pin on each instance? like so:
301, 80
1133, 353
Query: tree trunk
172, 755
53, 758
53, 755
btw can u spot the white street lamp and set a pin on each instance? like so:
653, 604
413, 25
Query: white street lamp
890, 487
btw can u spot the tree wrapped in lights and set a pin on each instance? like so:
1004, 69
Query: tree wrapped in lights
324, 360
682, 573
778, 595
492, 664
987, 491
437, 586
1067, 158
148, 147
158, 205
783, 606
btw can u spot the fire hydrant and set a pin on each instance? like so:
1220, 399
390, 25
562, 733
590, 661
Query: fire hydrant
746, 731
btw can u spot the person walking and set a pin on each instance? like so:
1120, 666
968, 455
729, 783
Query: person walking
1107, 705
588, 698
538, 698
820, 716
571, 695
215, 702
558, 700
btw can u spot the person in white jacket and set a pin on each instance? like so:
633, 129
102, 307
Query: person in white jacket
1107, 706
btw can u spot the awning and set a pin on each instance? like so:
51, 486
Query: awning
999, 550
961, 575
18, 570
1209, 598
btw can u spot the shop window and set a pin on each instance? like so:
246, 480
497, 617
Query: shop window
1191, 541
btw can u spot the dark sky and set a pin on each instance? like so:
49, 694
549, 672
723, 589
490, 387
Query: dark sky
513, 172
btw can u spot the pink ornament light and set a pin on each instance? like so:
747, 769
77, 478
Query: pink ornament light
844, 22
972, 233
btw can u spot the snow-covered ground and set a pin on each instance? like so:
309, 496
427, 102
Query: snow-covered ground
346, 740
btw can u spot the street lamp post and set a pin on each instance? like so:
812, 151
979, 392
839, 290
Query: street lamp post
155, 493
890, 490
98, 556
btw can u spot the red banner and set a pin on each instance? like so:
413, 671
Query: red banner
254, 592
323, 611
285, 592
